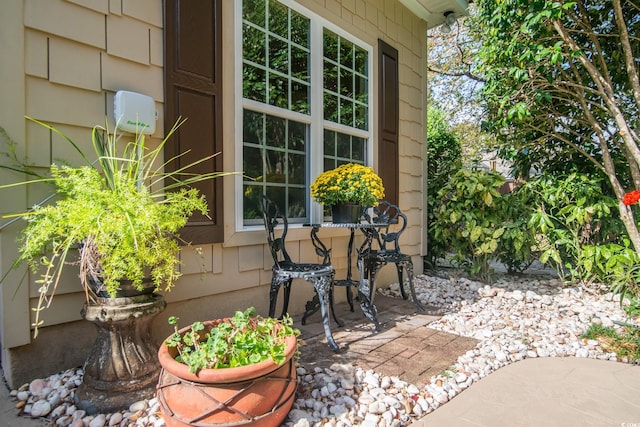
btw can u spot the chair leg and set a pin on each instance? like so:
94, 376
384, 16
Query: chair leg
276, 283
364, 293
333, 310
373, 272
349, 297
408, 265
323, 285
287, 294
400, 267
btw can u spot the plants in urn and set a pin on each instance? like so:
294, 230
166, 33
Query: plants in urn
121, 213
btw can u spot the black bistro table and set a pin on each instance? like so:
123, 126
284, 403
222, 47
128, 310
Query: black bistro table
362, 285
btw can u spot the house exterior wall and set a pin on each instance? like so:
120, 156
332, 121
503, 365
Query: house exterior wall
67, 60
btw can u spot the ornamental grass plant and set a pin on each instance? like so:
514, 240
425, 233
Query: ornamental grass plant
350, 182
120, 212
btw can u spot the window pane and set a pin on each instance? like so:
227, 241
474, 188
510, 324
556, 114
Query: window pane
297, 136
330, 46
278, 91
253, 45
275, 128
274, 166
250, 200
296, 169
330, 76
357, 149
346, 53
253, 162
346, 82
360, 60
254, 11
346, 112
279, 196
344, 146
361, 89
252, 127
278, 19
297, 203
279, 55
329, 143
300, 64
361, 117
300, 97
330, 107
299, 29
253, 84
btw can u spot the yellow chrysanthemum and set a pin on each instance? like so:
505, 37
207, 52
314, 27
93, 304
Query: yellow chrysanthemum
350, 182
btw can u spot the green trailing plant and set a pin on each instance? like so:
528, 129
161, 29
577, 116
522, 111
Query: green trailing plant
469, 221
243, 339
122, 212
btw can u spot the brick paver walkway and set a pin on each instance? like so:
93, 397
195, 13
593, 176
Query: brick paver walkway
404, 347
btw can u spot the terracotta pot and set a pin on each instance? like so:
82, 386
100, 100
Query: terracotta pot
257, 395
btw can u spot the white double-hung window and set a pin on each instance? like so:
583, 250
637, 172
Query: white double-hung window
305, 104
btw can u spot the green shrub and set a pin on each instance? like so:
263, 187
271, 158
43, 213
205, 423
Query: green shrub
517, 246
469, 219
443, 160
570, 213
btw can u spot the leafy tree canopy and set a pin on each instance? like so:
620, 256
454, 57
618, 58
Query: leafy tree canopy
561, 79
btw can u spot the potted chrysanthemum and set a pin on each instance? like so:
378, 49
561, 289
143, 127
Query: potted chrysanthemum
348, 189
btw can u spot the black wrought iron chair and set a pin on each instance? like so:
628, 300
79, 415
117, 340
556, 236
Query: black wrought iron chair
388, 251
285, 270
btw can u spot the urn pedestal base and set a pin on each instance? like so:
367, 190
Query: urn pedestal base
122, 366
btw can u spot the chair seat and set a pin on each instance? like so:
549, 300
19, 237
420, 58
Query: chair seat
301, 270
388, 256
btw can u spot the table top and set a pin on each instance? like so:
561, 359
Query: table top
346, 225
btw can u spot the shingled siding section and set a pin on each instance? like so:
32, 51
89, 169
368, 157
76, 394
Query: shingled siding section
76, 55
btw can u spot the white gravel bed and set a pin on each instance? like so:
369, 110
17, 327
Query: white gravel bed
513, 319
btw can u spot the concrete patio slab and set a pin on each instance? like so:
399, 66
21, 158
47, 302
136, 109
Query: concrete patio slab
560, 391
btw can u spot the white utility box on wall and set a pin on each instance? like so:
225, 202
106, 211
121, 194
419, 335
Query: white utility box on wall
135, 112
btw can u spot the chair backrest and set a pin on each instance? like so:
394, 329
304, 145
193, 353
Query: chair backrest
388, 236
272, 217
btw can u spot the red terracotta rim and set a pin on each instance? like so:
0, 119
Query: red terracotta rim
166, 357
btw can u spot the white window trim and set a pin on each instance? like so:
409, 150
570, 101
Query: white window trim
316, 121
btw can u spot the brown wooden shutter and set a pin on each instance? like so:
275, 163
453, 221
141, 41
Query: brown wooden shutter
388, 120
193, 90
